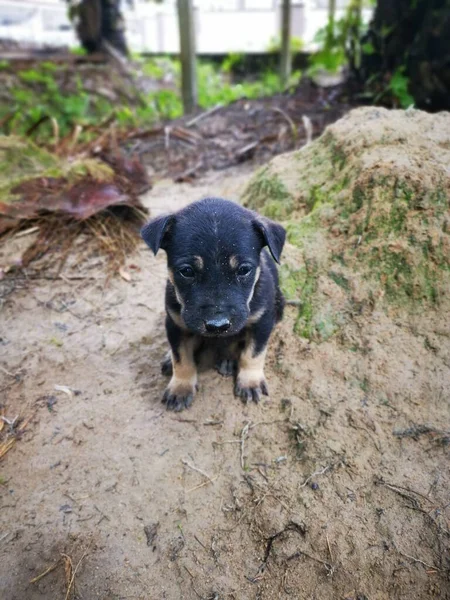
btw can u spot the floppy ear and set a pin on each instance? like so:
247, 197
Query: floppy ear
153, 232
273, 235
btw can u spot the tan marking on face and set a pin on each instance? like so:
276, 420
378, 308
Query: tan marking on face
177, 293
199, 263
176, 318
257, 276
255, 317
184, 378
233, 261
251, 368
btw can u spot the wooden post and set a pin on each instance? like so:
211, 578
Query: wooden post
187, 54
285, 58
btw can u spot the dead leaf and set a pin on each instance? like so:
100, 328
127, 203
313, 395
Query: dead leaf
124, 274
65, 389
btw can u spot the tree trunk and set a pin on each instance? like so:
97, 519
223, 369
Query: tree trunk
187, 54
413, 36
97, 21
285, 57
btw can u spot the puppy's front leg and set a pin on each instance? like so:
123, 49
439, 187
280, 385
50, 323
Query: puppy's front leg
180, 392
250, 381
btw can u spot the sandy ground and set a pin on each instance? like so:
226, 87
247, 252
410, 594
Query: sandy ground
331, 488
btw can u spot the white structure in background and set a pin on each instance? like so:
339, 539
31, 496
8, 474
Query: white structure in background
222, 26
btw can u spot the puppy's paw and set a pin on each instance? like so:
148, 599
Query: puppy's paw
227, 367
250, 390
178, 398
166, 366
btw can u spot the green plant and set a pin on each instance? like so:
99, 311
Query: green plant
339, 41
233, 59
40, 106
297, 44
398, 87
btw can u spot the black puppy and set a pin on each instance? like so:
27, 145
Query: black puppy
222, 293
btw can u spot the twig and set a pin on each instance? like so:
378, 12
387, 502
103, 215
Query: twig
203, 115
418, 560
226, 442
121, 61
46, 572
25, 232
290, 122
72, 579
196, 487
396, 488
55, 128
6, 372
327, 565
192, 582
308, 479
167, 131
308, 129
201, 543
329, 549
10, 422
194, 468
188, 173
244, 435
246, 150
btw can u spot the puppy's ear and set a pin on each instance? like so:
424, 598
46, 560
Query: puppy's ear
154, 232
273, 236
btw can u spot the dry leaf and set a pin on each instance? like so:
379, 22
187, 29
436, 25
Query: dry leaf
124, 274
65, 389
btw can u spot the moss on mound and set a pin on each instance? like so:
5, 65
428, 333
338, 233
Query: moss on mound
366, 208
21, 160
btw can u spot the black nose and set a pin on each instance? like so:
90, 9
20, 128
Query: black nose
217, 325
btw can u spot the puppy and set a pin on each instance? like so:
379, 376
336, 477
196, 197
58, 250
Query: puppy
222, 293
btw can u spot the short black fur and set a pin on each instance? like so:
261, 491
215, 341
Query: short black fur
222, 293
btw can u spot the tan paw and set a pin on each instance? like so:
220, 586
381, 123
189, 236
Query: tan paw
178, 397
251, 390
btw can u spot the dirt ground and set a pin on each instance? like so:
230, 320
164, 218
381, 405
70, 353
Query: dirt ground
336, 487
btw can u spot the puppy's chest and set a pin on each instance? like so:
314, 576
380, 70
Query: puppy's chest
223, 347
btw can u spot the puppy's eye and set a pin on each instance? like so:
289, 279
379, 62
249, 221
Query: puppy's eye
244, 270
187, 272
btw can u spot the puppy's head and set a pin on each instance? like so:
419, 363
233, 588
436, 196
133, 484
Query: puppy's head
213, 252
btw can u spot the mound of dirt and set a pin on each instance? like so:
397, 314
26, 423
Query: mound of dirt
367, 211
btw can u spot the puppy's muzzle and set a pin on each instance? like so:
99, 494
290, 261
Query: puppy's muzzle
217, 325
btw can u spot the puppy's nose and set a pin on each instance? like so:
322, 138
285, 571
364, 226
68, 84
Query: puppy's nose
217, 325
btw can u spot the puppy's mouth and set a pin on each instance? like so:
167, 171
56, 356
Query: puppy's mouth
210, 334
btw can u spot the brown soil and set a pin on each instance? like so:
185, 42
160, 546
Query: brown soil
335, 487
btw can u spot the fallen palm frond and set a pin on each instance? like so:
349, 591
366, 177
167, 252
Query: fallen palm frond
95, 197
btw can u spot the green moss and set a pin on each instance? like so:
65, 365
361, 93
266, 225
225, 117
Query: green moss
268, 194
291, 281
89, 167
337, 154
301, 232
385, 226
21, 160
304, 325
339, 280
313, 321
